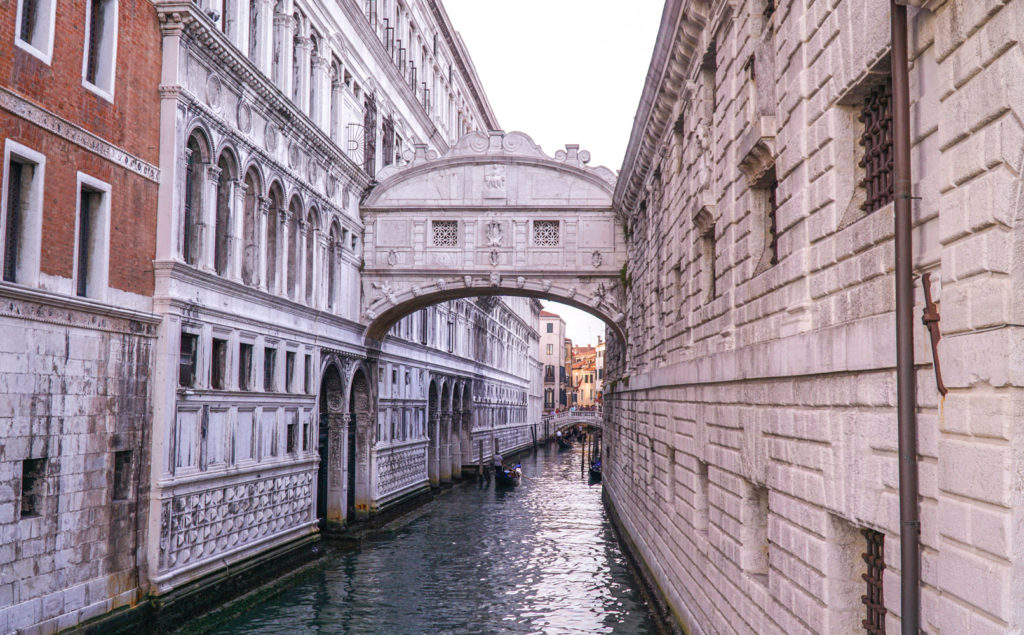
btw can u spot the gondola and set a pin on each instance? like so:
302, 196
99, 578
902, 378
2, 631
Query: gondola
595, 470
509, 477
563, 443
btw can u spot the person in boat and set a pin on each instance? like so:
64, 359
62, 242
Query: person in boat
498, 463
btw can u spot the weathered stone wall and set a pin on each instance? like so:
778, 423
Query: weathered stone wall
75, 397
754, 422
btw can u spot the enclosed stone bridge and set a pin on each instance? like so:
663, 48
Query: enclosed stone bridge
493, 216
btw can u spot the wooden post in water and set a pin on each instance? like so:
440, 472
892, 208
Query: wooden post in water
480, 458
583, 453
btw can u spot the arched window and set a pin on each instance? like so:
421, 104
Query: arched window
251, 229
294, 240
221, 246
273, 246
277, 52
312, 229
193, 199
336, 88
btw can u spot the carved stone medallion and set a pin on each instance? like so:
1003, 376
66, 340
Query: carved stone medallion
595, 258
244, 116
270, 137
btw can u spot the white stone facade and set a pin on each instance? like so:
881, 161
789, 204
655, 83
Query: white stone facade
752, 431
271, 414
552, 357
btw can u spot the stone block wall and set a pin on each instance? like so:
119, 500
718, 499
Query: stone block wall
74, 463
753, 436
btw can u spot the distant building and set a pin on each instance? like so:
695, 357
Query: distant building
552, 359
599, 365
584, 376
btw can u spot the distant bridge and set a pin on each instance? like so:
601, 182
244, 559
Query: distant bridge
563, 420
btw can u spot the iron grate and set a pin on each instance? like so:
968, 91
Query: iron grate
873, 600
877, 143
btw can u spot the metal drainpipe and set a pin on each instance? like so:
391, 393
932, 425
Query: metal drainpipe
910, 523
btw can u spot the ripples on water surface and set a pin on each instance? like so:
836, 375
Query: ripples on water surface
539, 558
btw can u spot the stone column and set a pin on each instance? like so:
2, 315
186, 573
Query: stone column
336, 128
434, 433
265, 36
283, 241
205, 236
445, 447
300, 262
241, 26
364, 423
236, 229
303, 45
283, 49
262, 214
320, 111
320, 282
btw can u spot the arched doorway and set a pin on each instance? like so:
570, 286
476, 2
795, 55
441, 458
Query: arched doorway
357, 491
445, 430
456, 432
433, 471
332, 423
467, 425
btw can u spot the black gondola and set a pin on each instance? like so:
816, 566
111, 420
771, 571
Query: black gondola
508, 477
563, 443
595, 470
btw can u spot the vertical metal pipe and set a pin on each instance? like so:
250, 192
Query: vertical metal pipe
910, 524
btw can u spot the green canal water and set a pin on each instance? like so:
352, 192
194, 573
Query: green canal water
538, 558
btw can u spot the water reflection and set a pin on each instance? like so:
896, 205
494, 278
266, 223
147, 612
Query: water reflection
539, 558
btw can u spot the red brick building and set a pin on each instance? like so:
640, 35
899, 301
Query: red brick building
79, 106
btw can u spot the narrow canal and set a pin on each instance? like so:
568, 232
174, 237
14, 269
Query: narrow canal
539, 558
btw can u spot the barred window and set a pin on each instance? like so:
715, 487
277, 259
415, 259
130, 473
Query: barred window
874, 600
445, 233
545, 233
877, 142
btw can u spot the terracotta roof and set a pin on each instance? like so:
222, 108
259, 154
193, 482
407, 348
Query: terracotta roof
548, 314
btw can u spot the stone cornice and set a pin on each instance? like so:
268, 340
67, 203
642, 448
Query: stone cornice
236, 290
185, 17
678, 38
384, 60
54, 124
464, 64
72, 311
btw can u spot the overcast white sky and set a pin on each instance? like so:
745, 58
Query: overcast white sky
563, 71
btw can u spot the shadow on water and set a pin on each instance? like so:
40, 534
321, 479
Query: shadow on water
540, 557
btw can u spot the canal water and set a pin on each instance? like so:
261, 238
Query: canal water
538, 558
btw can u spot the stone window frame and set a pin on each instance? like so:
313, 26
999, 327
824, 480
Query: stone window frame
104, 63
30, 234
444, 232
45, 14
98, 270
541, 234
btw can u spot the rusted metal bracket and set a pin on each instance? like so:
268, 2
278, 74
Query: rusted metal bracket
930, 318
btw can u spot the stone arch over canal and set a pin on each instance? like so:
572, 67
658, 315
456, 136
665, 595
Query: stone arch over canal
493, 216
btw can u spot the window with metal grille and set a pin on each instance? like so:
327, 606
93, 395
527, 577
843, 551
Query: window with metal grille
370, 136
187, 358
387, 140
371, 12
772, 225
874, 600
289, 371
89, 202
876, 140
545, 233
269, 369
254, 29
35, 26
14, 221
445, 233
412, 76
219, 364
245, 366
192, 200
